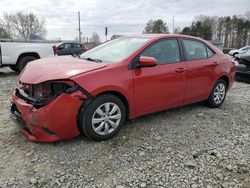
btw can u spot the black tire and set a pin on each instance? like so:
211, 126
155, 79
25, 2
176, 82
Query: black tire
211, 101
24, 61
88, 111
14, 68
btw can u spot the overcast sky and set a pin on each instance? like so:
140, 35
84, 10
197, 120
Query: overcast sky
120, 16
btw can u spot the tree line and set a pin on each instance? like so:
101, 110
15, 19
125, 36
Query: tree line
232, 31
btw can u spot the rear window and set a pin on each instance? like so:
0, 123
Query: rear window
210, 53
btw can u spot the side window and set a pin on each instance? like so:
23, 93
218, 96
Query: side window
75, 45
67, 46
194, 50
61, 47
210, 53
165, 51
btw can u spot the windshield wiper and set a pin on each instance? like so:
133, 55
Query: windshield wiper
93, 59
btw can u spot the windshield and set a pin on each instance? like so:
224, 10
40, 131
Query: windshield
114, 50
247, 52
244, 48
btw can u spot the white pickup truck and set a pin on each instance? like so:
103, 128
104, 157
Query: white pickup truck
16, 54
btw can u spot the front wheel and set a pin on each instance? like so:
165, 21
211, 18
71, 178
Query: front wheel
235, 54
103, 117
218, 94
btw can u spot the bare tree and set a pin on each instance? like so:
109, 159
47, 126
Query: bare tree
234, 30
95, 38
177, 30
20, 25
247, 15
3, 33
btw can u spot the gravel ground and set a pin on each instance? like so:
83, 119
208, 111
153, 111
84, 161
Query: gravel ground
192, 146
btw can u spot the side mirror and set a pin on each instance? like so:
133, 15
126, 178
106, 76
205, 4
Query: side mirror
146, 61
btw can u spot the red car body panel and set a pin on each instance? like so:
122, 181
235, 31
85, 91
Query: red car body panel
55, 68
59, 117
145, 90
122, 83
150, 86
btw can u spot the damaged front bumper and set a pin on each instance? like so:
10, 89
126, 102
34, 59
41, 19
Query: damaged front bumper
50, 123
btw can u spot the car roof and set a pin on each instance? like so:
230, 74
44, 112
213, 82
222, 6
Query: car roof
162, 36
154, 36
68, 43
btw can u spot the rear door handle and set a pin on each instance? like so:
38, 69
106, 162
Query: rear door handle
180, 70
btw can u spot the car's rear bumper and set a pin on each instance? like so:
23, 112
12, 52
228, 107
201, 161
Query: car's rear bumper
53, 122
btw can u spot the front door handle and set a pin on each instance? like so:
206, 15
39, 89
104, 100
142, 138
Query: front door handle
215, 63
180, 70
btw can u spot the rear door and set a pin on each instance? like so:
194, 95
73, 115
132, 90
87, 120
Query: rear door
201, 68
77, 48
65, 49
163, 86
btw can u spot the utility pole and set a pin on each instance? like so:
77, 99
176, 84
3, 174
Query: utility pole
173, 24
79, 28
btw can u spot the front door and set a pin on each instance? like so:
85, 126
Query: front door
163, 86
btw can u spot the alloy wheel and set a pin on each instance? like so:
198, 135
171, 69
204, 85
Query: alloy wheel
219, 93
106, 118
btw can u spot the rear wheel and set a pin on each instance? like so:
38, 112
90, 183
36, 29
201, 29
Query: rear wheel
24, 61
218, 94
103, 117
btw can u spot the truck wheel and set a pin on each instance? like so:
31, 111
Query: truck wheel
24, 61
14, 68
235, 54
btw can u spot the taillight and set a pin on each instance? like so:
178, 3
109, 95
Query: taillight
54, 49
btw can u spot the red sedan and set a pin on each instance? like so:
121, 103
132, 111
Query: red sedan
62, 97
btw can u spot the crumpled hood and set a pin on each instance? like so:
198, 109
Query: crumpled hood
56, 68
